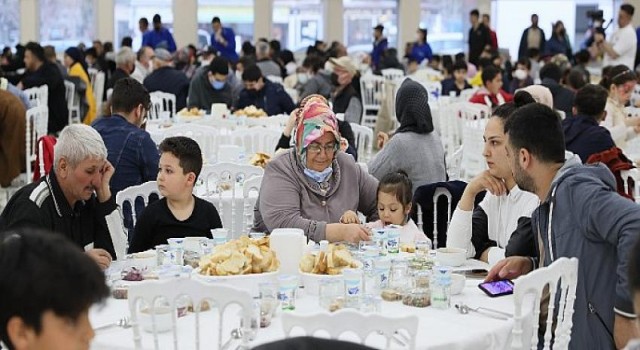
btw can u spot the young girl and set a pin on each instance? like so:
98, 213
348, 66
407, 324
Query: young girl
394, 206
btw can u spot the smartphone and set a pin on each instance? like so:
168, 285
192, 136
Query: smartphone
497, 288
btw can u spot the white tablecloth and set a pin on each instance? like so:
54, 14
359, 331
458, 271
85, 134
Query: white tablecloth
438, 329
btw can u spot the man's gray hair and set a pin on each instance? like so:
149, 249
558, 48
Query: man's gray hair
78, 142
124, 56
262, 49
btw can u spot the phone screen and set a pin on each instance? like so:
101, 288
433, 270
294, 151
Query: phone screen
497, 288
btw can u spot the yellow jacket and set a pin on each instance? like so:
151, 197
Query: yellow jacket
76, 70
476, 81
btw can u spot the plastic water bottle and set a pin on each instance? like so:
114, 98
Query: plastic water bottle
441, 287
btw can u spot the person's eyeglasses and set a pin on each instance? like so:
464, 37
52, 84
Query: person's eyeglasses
315, 148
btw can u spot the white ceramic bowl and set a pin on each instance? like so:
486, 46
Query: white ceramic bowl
311, 281
163, 316
453, 257
249, 282
147, 259
458, 282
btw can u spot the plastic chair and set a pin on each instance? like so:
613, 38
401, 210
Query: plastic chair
472, 162
392, 74
631, 181
251, 185
361, 324
372, 93
256, 139
207, 137
172, 290
98, 89
561, 278
364, 140
37, 119
73, 102
161, 104
130, 194
38, 96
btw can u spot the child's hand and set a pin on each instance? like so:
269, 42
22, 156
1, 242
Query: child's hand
349, 217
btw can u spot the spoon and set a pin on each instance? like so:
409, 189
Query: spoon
236, 334
464, 309
124, 322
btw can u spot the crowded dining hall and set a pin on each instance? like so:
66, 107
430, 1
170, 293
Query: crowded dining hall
319, 174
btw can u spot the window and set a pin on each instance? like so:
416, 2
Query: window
297, 23
446, 21
10, 22
234, 14
360, 16
127, 13
66, 23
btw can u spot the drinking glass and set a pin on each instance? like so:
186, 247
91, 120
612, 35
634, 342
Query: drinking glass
287, 291
219, 236
268, 300
330, 291
393, 239
422, 248
353, 279
162, 252
206, 246
370, 303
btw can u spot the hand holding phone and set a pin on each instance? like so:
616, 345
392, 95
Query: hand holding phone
497, 288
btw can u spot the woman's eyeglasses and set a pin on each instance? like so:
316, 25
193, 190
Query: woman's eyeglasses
315, 148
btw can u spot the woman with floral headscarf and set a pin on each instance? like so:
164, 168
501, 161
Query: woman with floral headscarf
311, 185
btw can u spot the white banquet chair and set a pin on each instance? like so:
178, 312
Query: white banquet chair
364, 141
97, 83
207, 137
130, 194
473, 161
392, 74
440, 191
172, 290
162, 103
345, 320
73, 102
38, 96
372, 94
37, 119
256, 139
252, 185
221, 185
561, 278
634, 175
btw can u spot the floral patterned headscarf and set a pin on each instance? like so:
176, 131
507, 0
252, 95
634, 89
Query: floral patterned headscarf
314, 119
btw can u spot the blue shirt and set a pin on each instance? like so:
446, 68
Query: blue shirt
130, 150
161, 38
378, 49
421, 51
229, 51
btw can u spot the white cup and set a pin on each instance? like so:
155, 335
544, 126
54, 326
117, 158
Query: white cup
219, 110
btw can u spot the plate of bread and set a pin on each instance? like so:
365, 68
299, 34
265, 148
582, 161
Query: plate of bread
315, 266
251, 112
187, 114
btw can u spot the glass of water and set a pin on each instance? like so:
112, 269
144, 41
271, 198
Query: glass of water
288, 284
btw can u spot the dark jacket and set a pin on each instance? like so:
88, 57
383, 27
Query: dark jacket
523, 50
556, 46
130, 150
449, 85
117, 75
378, 49
584, 136
48, 74
202, 95
271, 98
562, 97
478, 39
171, 80
42, 205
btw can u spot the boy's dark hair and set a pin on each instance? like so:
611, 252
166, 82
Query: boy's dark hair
489, 73
576, 79
551, 71
126, 41
128, 94
582, 56
247, 61
36, 50
144, 21
215, 20
617, 75
44, 271
484, 62
634, 269
536, 128
436, 58
460, 56
591, 100
398, 184
251, 73
219, 65
628, 8
459, 65
156, 18
248, 49
525, 62
474, 12
91, 52
186, 150
313, 62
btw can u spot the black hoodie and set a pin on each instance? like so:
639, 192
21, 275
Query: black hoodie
585, 137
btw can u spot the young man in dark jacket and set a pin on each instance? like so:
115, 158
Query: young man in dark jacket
581, 216
209, 85
264, 94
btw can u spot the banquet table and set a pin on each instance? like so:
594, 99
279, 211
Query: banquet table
437, 329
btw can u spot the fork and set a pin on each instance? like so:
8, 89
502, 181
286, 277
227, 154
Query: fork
124, 322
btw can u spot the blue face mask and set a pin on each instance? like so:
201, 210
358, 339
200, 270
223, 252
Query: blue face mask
217, 85
318, 176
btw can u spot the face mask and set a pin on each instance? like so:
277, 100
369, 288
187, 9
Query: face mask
239, 75
318, 176
334, 79
303, 78
520, 74
217, 85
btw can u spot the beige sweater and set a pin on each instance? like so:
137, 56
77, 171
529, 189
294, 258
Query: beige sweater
289, 199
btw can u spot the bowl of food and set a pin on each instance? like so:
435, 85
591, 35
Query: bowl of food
316, 266
453, 257
243, 263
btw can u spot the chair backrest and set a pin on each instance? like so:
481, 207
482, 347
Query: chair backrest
372, 94
162, 102
346, 320
171, 291
473, 161
256, 139
92, 75
38, 96
466, 94
129, 195
364, 141
251, 185
631, 182
207, 137
560, 278
73, 102
392, 73
37, 119
98, 89
275, 79
434, 88
454, 164
227, 177
274, 122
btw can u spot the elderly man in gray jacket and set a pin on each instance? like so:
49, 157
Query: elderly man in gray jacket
580, 215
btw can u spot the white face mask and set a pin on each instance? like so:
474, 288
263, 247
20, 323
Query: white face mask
303, 78
520, 74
